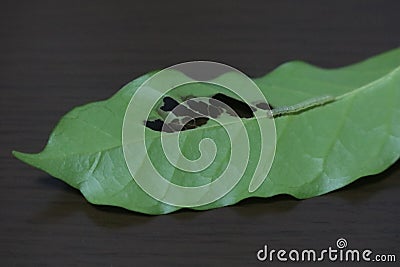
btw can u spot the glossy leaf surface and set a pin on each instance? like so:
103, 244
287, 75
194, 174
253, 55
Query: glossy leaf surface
318, 149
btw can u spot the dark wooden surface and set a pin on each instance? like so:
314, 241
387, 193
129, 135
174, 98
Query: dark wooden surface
55, 55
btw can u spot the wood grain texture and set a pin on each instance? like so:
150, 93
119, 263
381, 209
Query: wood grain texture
55, 55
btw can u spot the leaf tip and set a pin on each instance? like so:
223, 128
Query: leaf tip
24, 157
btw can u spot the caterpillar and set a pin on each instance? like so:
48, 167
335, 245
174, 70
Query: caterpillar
310, 103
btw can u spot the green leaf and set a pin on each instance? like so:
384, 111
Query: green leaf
319, 149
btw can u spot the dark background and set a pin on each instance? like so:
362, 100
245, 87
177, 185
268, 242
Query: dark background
55, 55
